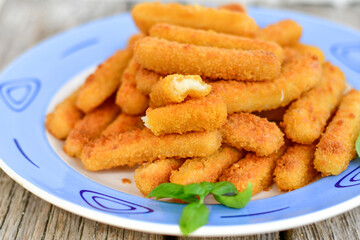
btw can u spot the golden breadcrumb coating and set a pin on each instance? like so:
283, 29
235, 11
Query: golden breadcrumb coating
150, 175
252, 133
213, 39
145, 80
295, 168
297, 76
104, 81
166, 57
304, 49
140, 146
198, 114
284, 33
233, 7
123, 123
255, 169
175, 88
64, 117
146, 15
337, 145
306, 118
90, 127
274, 115
132, 40
209, 169
130, 99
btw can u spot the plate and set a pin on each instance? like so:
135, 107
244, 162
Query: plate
36, 81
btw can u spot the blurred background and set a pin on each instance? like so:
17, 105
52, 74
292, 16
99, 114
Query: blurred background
30, 21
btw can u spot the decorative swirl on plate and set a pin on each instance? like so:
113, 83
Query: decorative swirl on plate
79, 46
254, 214
348, 54
23, 153
19, 93
349, 180
112, 204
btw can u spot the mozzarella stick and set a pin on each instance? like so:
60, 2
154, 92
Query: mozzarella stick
103, 82
150, 175
90, 127
337, 145
306, 118
140, 146
213, 39
167, 57
64, 117
255, 169
284, 33
233, 7
131, 100
298, 75
209, 169
175, 88
295, 168
304, 49
145, 80
146, 15
252, 133
123, 123
203, 114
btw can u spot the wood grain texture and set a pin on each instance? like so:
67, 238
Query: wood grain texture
24, 216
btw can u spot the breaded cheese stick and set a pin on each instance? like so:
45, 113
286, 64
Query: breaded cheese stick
298, 75
104, 81
254, 169
64, 117
209, 169
252, 133
306, 118
175, 88
132, 40
233, 7
213, 39
337, 145
146, 15
295, 168
123, 123
284, 33
140, 146
145, 80
90, 127
304, 49
131, 100
150, 175
166, 57
202, 114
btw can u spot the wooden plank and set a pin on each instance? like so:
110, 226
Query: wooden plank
344, 226
38, 210
18, 201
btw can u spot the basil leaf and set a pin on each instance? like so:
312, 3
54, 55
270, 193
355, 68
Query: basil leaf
195, 189
193, 216
239, 200
208, 186
171, 190
221, 188
357, 145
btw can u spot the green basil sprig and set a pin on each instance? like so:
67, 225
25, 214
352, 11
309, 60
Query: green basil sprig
196, 214
357, 145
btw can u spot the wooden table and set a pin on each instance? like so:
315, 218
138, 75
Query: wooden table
25, 216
